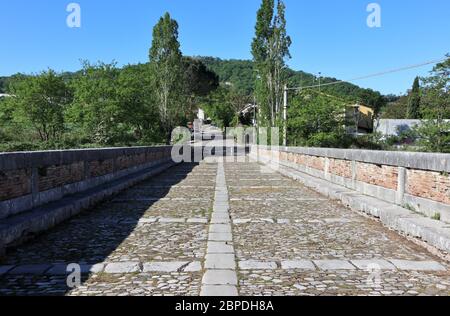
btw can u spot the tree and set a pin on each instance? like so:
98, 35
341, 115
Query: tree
436, 95
95, 111
316, 120
270, 48
414, 101
40, 101
434, 135
166, 60
434, 132
219, 108
137, 104
198, 83
396, 110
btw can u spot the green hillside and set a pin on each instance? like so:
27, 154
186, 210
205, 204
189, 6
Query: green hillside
239, 73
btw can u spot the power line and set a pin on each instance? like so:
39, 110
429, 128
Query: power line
379, 74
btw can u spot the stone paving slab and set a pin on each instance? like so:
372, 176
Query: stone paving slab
220, 261
220, 277
193, 267
373, 264
220, 228
418, 266
257, 265
123, 267
164, 266
197, 221
334, 265
220, 247
297, 265
219, 291
172, 220
220, 237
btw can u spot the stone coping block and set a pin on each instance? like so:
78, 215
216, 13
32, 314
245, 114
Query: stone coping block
40, 159
413, 160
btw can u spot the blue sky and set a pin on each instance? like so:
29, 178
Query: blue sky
329, 36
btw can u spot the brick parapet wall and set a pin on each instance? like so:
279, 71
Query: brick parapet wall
31, 179
415, 180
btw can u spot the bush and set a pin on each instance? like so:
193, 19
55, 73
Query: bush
19, 146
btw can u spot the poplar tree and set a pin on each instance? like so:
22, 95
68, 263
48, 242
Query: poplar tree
166, 60
270, 49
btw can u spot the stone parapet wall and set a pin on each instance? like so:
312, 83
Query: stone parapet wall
32, 179
417, 181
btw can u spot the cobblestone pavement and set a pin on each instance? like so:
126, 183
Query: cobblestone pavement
222, 229
163, 221
289, 240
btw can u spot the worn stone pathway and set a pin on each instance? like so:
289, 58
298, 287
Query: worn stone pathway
222, 228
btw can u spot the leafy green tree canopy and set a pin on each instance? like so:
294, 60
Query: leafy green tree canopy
40, 101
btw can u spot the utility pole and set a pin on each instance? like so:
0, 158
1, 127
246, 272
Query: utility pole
285, 106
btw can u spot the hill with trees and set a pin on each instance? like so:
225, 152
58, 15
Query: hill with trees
241, 74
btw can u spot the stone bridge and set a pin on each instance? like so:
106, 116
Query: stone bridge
285, 221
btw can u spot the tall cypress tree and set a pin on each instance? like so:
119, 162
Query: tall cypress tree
166, 60
414, 101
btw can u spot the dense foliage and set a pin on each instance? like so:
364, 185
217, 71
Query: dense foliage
428, 100
317, 120
103, 105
